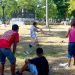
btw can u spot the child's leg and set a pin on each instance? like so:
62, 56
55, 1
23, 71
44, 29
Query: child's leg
2, 62
69, 61
7, 52
23, 68
74, 58
74, 61
70, 53
12, 69
33, 69
34, 41
1, 69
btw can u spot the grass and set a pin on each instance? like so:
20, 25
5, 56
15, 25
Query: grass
54, 45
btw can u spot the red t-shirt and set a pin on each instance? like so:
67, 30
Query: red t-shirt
8, 38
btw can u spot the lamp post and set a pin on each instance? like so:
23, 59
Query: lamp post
46, 13
3, 18
46, 6
3, 3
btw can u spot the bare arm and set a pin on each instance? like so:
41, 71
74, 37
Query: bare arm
68, 33
14, 47
40, 30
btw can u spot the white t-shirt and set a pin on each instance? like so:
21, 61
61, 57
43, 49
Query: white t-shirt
33, 31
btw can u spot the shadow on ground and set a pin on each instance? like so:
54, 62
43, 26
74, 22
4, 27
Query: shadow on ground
54, 49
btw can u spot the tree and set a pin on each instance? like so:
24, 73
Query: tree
62, 7
73, 13
72, 8
52, 9
9, 8
27, 4
41, 10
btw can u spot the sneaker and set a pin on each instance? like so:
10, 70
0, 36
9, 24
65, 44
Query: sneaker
30, 45
18, 73
63, 64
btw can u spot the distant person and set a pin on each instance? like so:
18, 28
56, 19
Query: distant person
37, 66
71, 44
34, 38
10, 37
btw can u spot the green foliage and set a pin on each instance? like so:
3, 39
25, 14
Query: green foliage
56, 8
62, 7
40, 10
71, 7
52, 9
27, 4
73, 13
10, 7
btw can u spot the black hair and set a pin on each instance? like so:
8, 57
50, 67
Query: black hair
73, 22
15, 27
34, 23
39, 51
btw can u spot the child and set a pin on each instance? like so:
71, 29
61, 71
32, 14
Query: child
33, 30
71, 44
6, 40
41, 64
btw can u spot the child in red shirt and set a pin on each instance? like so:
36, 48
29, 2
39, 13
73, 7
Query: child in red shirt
9, 38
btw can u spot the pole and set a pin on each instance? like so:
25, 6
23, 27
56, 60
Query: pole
3, 7
46, 13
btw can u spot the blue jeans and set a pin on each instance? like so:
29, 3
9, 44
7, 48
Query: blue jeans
6, 52
33, 69
71, 49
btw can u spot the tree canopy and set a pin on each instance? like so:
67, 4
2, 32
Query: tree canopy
56, 8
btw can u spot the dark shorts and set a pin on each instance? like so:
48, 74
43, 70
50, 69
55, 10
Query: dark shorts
71, 50
6, 52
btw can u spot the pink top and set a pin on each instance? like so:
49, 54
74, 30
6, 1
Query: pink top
72, 35
8, 38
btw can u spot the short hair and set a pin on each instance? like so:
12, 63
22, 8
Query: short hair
39, 50
34, 23
73, 22
15, 27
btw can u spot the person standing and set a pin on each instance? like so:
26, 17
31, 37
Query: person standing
10, 37
71, 44
34, 38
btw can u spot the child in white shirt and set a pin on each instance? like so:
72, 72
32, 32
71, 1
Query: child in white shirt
34, 38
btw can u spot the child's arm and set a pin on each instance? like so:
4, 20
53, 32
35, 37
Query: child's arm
14, 47
68, 32
15, 42
37, 29
40, 30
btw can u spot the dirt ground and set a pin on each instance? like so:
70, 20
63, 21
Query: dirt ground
53, 42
